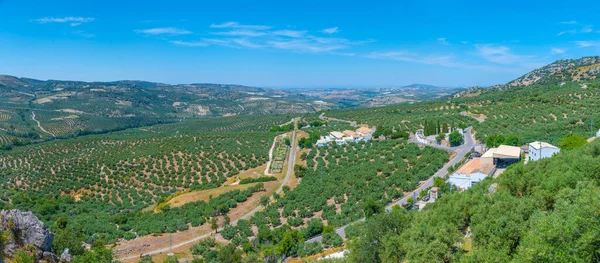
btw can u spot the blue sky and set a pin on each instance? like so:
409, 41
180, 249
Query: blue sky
293, 43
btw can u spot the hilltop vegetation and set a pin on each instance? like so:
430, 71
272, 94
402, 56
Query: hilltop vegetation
578, 70
545, 211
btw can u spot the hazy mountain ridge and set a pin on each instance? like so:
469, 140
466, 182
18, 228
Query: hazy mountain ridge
558, 72
586, 68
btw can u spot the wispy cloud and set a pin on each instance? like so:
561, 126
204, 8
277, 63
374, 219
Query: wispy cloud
290, 33
556, 51
443, 41
236, 35
241, 32
572, 32
497, 54
582, 30
331, 30
571, 22
240, 26
164, 31
406, 56
304, 45
84, 34
587, 29
202, 43
503, 55
246, 43
587, 43
72, 20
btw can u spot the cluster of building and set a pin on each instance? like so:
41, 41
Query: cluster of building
361, 134
477, 169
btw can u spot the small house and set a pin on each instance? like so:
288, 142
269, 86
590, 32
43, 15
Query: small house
470, 173
540, 150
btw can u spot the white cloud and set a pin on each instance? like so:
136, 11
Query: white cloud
443, 41
587, 29
84, 34
202, 43
497, 54
240, 26
303, 45
242, 33
331, 30
289, 33
72, 20
164, 31
433, 59
557, 51
587, 43
572, 22
190, 43
246, 43
236, 35
583, 30
464, 42
572, 32
504, 56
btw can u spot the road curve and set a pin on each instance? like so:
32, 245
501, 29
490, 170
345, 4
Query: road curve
291, 160
460, 151
40, 125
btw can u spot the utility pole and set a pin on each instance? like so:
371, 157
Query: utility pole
591, 126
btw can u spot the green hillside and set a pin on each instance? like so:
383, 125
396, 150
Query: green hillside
545, 211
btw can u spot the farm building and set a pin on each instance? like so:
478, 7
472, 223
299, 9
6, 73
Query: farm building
365, 132
352, 134
540, 150
336, 135
348, 136
470, 173
501, 156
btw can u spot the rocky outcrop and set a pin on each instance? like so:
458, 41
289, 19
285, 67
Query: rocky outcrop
25, 230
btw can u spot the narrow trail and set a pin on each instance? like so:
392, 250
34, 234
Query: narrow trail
290, 170
323, 117
40, 125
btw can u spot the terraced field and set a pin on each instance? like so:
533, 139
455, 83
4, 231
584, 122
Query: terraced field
406, 117
547, 113
101, 177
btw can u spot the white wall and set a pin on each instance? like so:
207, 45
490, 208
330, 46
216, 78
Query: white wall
544, 152
465, 182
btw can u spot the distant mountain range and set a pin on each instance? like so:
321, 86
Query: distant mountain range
31, 108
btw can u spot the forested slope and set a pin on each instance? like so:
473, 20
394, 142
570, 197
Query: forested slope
545, 211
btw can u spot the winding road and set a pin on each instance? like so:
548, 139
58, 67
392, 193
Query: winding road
460, 151
290, 170
40, 125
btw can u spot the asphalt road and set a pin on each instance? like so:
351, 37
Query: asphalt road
291, 160
460, 151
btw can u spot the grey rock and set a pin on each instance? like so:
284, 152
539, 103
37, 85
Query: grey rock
492, 189
26, 230
50, 257
65, 257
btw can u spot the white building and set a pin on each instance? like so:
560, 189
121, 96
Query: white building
501, 156
324, 141
541, 150
336, 135
365, 132
470, 173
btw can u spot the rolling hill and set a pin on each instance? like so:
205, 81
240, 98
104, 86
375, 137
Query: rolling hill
34, 110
